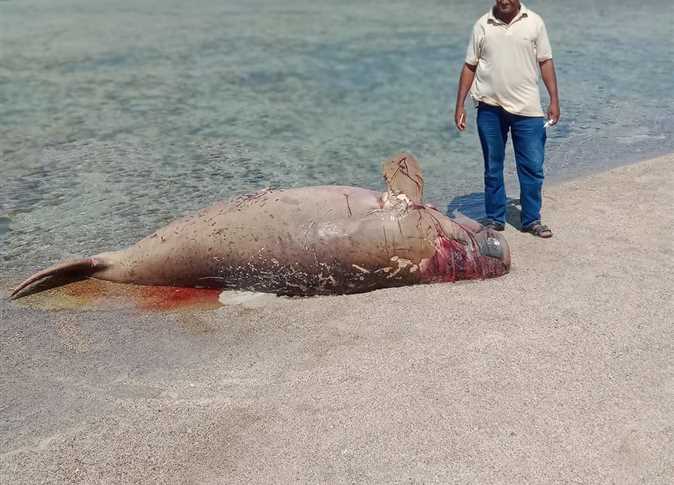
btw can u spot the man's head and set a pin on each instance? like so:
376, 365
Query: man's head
507, 8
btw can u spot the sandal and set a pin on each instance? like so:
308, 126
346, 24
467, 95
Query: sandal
538, 229
490, 224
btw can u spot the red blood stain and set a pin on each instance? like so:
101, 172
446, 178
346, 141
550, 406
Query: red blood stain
452, 261
87, 289
97, 293
168, 298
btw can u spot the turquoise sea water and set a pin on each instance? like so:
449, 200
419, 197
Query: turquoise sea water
116, 117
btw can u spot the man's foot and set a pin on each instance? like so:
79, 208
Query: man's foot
538, 230
490, 224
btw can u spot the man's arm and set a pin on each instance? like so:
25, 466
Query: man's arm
550, 80
465, 82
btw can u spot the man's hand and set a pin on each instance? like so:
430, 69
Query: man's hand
465, 81
550, 80
460, 118
553, 113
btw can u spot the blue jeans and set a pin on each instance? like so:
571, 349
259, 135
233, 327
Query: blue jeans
493, 124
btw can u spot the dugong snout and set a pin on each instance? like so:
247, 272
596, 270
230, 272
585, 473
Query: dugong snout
494, 252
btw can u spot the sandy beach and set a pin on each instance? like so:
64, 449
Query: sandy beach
560, 372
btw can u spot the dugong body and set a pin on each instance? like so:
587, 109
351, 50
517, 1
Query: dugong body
307, 241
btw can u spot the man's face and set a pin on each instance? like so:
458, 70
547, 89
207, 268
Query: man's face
507, 7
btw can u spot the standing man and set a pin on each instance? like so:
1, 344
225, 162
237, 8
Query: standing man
508, 46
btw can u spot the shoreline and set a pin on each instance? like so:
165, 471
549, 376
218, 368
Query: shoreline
469, 203
559, 371
558, 179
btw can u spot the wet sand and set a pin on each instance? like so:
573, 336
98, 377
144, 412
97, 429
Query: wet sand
562, 371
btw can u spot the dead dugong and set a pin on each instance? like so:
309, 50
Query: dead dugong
306, 241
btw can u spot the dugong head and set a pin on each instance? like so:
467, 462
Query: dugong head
494, 253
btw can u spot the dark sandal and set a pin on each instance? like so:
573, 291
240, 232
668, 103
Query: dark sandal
489, 224
539, 230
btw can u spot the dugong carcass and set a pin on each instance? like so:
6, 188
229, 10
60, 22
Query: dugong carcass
307, 241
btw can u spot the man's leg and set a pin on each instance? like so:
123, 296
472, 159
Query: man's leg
529, 142
492, 126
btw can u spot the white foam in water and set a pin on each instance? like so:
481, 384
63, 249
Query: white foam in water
630, 139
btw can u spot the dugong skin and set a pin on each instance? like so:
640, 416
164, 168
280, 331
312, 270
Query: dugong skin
307, 241
303, 241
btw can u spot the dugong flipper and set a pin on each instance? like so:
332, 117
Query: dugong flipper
307, 241
402, 175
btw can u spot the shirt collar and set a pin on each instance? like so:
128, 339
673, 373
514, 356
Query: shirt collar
524, 12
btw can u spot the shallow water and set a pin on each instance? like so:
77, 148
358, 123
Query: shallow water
120, 116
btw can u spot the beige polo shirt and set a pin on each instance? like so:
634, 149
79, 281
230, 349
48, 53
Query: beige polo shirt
507, 57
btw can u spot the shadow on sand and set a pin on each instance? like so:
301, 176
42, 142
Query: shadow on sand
472, 205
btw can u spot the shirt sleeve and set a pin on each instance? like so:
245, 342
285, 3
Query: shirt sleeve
543, 49
474, 45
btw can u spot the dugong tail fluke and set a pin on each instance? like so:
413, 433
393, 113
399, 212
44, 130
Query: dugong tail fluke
80, 267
